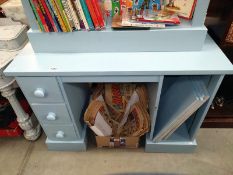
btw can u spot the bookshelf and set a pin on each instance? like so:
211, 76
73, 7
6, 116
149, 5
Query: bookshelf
189, 36
63, 80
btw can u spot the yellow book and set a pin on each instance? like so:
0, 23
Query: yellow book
63, 15
57, 13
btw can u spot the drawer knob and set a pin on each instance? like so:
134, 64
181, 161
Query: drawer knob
60, 134
51, 116
39, 92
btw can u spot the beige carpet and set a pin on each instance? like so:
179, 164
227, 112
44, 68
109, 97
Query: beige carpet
214, 156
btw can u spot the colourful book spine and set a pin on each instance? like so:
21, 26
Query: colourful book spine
87, 14
74, 15
78, 14
55, 20
49, 15
39, 12
116, 8
46, 17
93, 15
58, 15
63, 15
39, 23
98, 13
81, 14
68, 14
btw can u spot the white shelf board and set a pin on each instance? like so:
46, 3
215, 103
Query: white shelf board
176, 38
211, 60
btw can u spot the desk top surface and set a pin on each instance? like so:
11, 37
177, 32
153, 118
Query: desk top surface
211, 60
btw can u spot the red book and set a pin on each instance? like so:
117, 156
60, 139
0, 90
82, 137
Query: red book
49, 15
37, 6
93, 14
98, 13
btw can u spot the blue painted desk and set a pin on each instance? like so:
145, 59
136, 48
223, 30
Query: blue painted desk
57, 88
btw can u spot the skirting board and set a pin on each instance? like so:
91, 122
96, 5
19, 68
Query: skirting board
170, 147
78, 145
177, 40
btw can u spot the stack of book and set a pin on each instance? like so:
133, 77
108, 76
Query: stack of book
152, 13
67, 15
179, 102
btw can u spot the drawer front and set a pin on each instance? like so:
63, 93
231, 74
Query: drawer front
40, 89
52, 113
60, 132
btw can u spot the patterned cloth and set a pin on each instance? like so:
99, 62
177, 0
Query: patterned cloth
14, 9
13, 35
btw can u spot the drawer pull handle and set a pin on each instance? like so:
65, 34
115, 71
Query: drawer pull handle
51, 116
60, 134
39, 92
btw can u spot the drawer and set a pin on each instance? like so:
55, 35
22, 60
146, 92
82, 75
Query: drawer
40, 89
52, 113
60, 132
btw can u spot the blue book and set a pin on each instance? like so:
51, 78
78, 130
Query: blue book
87, 14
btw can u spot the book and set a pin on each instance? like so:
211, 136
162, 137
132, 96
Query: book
98, 13
40, 14
74, 15
142, 5
147, 14
179, 100
155, 5
63, 15
39, 23
49, 15
81, 14
142, 24
160, 17
184, 8
58, 15
68, 14
56, 22
87, 14
47, 20
116, 8
93, 15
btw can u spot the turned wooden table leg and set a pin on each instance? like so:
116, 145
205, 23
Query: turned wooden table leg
30, 125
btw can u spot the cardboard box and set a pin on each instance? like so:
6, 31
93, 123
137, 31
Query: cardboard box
117, 142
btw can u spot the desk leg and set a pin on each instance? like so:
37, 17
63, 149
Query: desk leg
30, 125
